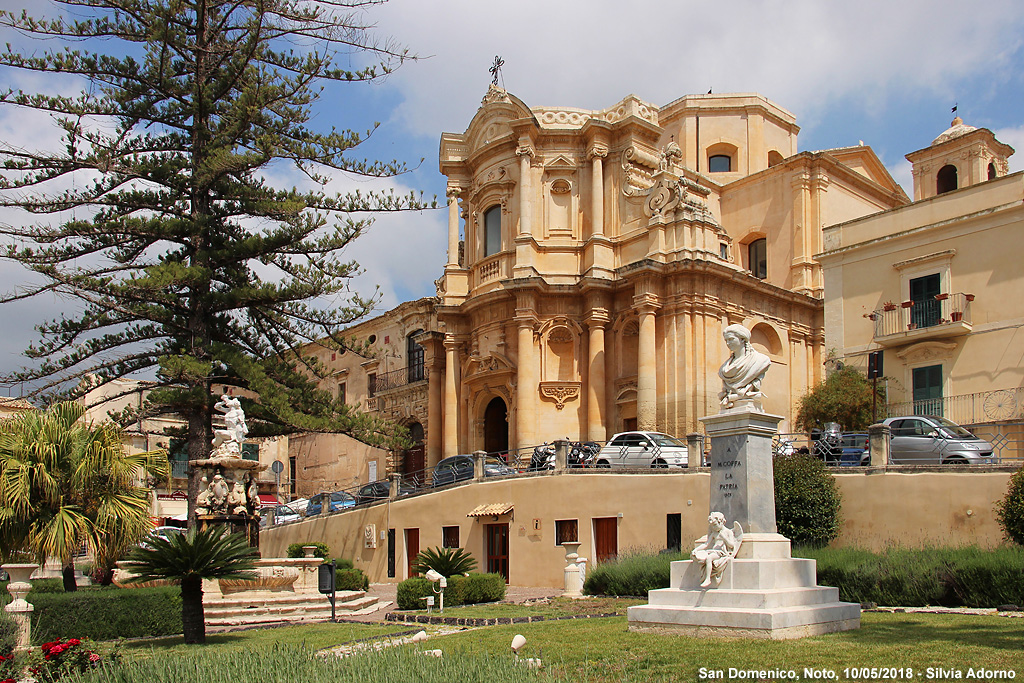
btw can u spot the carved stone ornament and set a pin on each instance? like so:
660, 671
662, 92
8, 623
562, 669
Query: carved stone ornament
663, 198
560, 186
560, 392
715, 551
742, 372
370, 536
495, 94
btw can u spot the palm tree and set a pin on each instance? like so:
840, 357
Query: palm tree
64, 481
188, 559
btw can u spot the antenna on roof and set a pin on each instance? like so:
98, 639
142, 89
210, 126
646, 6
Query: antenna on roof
496, 71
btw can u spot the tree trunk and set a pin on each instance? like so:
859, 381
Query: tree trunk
68, 575
193, 620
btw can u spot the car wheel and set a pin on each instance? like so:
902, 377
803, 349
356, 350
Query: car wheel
603, 463
659, 464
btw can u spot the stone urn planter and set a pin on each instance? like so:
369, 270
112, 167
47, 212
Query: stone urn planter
19, 609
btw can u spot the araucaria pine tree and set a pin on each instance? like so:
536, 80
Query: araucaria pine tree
155, 209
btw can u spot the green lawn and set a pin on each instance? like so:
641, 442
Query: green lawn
556, 607
605, 650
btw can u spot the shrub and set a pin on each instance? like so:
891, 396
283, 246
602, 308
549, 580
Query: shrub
8, 635
445, 561
631, 574
351, 580
107, 614
10, 668
807, 500
47, 586
60, 658
1010, 510
952, 577
323, 551
344, 563
461, 590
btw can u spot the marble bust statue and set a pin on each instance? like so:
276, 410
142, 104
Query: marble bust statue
743, 371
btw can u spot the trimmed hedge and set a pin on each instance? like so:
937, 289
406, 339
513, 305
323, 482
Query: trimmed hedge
950, 577
461, 590
1010, 510
632, 574
106, 614
807, 500
351, 580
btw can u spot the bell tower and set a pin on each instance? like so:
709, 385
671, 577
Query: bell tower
961, 156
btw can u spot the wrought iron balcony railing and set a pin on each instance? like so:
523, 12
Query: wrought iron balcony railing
399, 378
946, 314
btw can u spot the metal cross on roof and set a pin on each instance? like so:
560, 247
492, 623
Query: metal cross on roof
496, 69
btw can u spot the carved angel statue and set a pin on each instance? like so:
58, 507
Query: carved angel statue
718, 549
218, 494
231, 438
236, 498
743, 371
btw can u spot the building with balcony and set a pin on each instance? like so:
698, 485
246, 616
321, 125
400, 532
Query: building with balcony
933, 285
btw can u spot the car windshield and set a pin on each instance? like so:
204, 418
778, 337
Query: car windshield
665, 440
952, 429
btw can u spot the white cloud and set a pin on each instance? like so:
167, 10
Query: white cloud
1014, 137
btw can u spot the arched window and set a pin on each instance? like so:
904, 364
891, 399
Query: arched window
774, 158
945, 181
991, 171
492, 231
757, 258
720, 163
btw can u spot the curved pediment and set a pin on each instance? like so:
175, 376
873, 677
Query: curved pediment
492, 119
491, 363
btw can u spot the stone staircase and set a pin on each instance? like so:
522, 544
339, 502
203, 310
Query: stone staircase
258, 608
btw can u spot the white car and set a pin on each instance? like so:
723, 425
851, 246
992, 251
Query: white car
642, 449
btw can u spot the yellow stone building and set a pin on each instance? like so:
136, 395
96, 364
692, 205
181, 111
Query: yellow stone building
594, 258
933, 286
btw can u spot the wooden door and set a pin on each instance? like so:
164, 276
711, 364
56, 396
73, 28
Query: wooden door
497, 549
606, 538
412, 549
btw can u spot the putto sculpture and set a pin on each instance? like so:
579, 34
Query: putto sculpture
228, 441
718, 549
743, 371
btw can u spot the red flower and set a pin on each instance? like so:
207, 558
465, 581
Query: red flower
74, 641
93, 657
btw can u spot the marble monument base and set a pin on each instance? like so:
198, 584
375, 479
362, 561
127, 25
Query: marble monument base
764, 593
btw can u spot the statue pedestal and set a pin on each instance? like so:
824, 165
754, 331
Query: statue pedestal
764, 591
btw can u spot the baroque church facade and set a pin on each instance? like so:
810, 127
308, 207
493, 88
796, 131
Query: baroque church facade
594, 258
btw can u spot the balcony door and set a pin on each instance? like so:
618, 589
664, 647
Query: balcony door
928, 390
926, 311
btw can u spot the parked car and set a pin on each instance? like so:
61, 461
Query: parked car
581, 454
931, 440
460, 467
290, 512
855, 449
164, 532
380, 490
642, 449
339, 501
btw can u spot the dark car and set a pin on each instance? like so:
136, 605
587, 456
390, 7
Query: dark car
855, 449
380, 490
460, 468
339, 501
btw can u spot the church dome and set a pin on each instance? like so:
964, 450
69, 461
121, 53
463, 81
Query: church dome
955, 130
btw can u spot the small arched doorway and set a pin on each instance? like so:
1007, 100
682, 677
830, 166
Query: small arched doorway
496, 426
414, 460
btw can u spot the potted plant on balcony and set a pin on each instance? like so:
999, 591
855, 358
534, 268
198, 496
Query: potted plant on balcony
888, 306
907, 304
956, 316
941, 297
969, 297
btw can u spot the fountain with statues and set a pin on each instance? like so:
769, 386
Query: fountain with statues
283, 589
741, 579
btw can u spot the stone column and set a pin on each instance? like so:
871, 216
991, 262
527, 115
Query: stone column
596, 408
647, 366
525, 153
526, 387
561, 454
451, 397
453, 227
596, 154
879, 441
478, 465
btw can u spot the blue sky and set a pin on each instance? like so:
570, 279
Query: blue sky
885, 72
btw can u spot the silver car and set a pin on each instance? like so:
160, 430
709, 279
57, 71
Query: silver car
930, 440
642, 449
